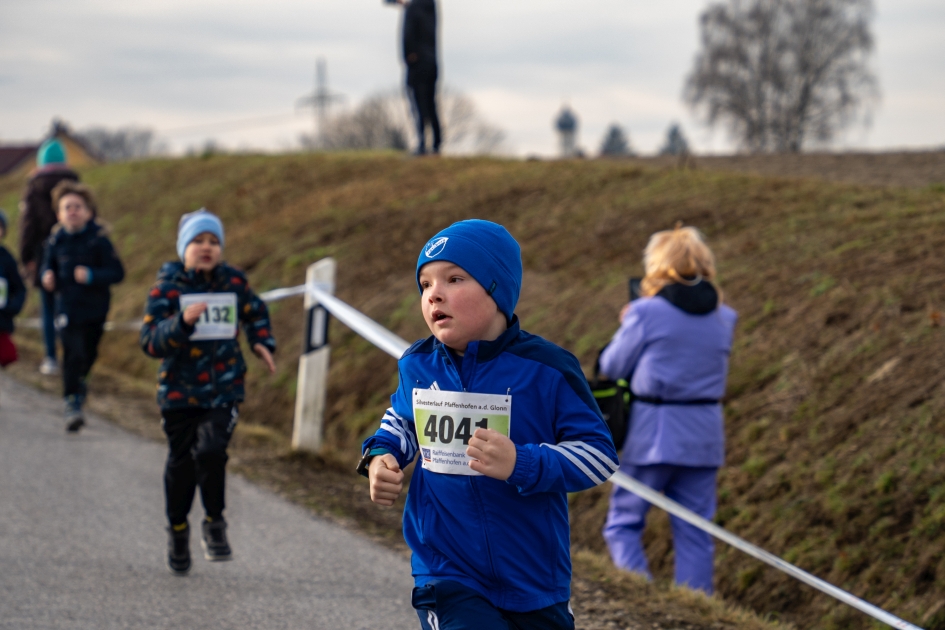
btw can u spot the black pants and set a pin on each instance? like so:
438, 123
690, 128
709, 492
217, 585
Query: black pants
79, 351
422, 95
197, 438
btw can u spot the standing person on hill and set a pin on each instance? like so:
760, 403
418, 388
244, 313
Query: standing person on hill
37, 218
504, 426
673, 347
79, 266
419, 44
191, 322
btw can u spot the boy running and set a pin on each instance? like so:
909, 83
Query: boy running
191, 322
505, 426
79, 265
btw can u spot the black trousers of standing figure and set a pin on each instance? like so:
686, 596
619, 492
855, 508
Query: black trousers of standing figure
79, 351
197, 439
422, 94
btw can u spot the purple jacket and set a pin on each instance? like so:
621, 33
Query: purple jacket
674, 347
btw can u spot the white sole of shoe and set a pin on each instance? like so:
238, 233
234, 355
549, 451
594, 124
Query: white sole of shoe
206, 554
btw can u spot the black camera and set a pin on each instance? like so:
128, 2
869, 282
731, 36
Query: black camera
634, 286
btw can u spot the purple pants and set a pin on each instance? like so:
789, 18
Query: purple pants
692, 487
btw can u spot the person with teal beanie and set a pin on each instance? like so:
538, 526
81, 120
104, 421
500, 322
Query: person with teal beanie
50, 152
37, 218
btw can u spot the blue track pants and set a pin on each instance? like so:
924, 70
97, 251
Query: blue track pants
692, 487
446, 605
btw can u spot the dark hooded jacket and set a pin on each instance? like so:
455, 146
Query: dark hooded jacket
37, 216
206, 373
90, 247
420, 40
16, 291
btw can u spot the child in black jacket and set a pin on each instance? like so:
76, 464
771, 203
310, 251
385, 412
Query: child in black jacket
12, 296
80, 264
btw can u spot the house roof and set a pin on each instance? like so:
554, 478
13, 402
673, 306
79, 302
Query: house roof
13, 156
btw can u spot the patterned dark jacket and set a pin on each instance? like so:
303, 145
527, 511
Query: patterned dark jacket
207, 373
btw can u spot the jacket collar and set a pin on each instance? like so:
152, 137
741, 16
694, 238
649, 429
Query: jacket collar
486, 350
195, 277
175, 272
88, 230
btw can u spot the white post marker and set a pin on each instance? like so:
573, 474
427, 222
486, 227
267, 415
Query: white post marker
642, 490
312, 384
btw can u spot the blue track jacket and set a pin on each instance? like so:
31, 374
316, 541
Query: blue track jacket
508, 540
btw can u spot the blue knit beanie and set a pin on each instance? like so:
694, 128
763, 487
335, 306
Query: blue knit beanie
487, 251
193, 224
51, 152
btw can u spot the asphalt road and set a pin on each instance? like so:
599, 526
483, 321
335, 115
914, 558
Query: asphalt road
82, 542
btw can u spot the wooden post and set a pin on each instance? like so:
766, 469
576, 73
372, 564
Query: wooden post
313, 364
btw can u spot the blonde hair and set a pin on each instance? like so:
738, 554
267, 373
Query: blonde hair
677, 255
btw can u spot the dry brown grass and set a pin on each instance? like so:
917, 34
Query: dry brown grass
834, 412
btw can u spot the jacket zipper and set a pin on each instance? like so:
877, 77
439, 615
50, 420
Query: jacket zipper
471, 480
451, 367
485, 533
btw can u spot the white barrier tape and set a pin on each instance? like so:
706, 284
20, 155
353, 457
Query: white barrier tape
269, 296
281, 294
629, 483
360, 323
34, 323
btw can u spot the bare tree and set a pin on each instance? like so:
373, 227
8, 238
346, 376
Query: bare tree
377, 123
119, 145
781, 73
465, 131
383, 121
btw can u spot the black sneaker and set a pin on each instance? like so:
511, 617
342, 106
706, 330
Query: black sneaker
74, 418
215, 546
178, 550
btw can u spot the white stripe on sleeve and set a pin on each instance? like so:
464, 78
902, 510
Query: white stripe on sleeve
574, 460
392, 429
614, 466
590, 459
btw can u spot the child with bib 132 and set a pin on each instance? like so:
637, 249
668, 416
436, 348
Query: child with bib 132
192, 320
504, 426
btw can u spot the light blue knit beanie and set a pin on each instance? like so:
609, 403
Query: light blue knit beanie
51, 152
193, 224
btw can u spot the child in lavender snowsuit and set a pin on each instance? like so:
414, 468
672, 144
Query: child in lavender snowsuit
673, 347
191, 322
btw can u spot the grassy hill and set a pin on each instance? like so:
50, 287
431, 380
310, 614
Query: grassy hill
834, 412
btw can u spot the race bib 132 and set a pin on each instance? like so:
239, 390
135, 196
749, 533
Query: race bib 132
218, 321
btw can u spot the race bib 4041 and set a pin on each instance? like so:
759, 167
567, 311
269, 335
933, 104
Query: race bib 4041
446, 421
218, 321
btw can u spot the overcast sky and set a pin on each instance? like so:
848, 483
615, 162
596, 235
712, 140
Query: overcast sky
173, 64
